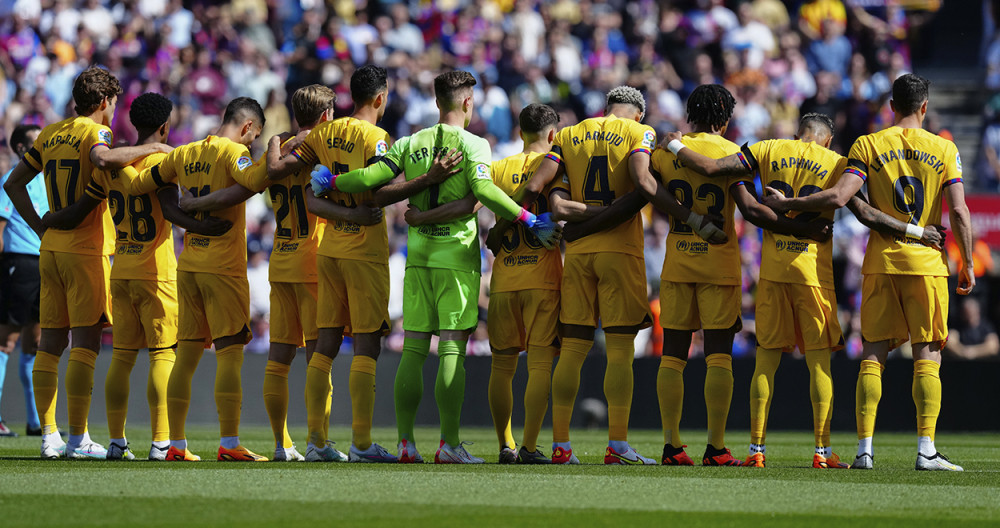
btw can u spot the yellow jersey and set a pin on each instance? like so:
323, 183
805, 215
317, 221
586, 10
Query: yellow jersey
688, 257
204, 166
795, 168
595, 155
523, 263
906, 170
297, 232
144, 242
347, 144
62, 154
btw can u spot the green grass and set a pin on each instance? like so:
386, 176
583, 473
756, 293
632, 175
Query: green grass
787, 493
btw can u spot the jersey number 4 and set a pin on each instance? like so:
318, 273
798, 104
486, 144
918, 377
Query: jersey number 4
596, 187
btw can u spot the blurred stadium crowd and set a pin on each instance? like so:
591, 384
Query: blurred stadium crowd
779, 58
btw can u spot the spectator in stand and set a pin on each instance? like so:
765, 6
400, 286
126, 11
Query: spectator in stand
832, 52
975, 337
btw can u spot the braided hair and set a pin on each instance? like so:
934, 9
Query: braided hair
710, 104
150, 111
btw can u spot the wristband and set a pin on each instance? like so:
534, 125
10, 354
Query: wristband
694, 220
914, 232
675, 146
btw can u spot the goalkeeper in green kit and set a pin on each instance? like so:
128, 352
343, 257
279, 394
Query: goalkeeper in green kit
443, 260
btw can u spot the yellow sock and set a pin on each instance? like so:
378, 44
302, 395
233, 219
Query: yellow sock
161, 363
229, 389
536, 393
618, 380
718, 396
116, 386
276, 401
670, 393
500, 397
761, 390
179, 386
565, 383
361, 385
79, 386
318, 393
869, 392
820, 393
927, 395
45, 383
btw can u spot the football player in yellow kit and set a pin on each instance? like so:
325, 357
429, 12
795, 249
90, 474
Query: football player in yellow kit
700, 286
599, 160
904, 293
73, 264
795, 298
352, 263
213, 292
143, 278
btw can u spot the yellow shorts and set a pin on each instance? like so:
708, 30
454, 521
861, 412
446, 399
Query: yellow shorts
354, 294
74, 290
899, 308
610, 287
212, 306
694, 305
520, 318
790, 315
145, 314
293, 313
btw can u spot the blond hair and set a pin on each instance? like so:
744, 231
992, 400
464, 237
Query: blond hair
309, 103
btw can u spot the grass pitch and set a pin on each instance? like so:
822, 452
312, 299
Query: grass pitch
787, 493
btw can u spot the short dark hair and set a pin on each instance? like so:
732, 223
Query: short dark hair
91, 87
19, 137
710, 104
150, 111
814, 119
449, 85
536, 117
367, 82
909, 91
243, 108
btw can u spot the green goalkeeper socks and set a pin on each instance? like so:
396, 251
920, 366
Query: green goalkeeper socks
409, 386
449, 389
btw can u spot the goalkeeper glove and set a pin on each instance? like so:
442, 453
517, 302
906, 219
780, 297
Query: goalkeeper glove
543, 227
322, 180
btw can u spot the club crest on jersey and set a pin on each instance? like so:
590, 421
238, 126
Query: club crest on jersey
381, 148
649, 139
105, 136
243, 162
958, 162
482, 171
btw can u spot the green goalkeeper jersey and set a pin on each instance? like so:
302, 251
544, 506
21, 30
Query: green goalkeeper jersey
449, 245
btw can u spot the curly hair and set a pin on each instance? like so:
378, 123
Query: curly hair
150, 111
93, 86
711, 105
626, 95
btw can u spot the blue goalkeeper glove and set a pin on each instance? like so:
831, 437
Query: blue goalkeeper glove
322, 180
542, 226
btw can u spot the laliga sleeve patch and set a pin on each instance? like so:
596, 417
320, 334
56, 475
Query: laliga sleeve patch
483, 171
105, 136
649, 139
243, 162
381, 148
958, 162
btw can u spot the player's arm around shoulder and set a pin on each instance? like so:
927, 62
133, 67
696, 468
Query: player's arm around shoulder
282, 156
738, 164
103, 157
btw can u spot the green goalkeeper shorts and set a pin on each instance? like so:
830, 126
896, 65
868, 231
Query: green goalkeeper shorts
440, 299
